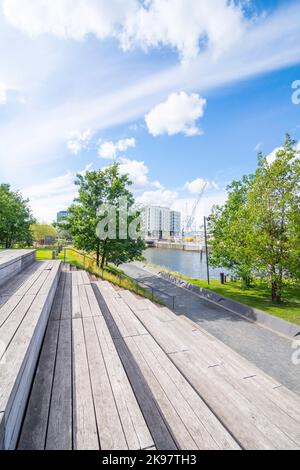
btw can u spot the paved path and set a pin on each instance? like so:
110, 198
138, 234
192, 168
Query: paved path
266, 349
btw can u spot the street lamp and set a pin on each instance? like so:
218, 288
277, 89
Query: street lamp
206, 219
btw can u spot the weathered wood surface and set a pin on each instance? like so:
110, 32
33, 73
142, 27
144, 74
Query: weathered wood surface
14, 261
122, 373
231, 386
192, 423
23, 322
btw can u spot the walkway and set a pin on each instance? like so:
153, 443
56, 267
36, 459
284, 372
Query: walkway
268, 350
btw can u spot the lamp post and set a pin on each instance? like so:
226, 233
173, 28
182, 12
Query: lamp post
206, 249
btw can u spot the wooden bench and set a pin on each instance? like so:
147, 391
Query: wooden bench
192, 423
14, 261
23, 320
258, 411
81, 397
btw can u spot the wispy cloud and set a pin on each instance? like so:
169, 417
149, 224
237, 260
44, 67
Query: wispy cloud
128, 100
179, 114
110, 150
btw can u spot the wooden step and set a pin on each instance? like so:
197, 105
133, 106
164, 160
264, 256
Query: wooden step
13, 262
215, 371
24, 321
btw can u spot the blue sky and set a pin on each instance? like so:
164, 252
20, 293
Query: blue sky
180, 92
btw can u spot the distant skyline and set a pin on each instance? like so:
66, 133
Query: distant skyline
180, 92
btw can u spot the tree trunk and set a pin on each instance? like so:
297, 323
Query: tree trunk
103, 255
98, 253
276, 293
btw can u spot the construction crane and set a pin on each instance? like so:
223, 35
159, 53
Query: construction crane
191, 218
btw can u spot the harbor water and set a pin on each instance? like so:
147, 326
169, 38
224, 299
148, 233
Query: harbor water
187, 263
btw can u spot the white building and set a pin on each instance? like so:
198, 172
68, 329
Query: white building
161, 223
175, 224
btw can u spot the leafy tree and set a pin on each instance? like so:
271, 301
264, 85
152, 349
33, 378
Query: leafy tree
15, 218
97, 188
41, 231
229, 229
272, 208
258, 229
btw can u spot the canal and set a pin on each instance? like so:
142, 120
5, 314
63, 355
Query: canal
184, 262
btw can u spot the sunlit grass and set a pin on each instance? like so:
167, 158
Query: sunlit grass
258, 296
110, 273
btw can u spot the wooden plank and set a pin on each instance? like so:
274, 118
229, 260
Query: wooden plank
10, 327
8, 308
125, 319
76, 309
200, 422
110, 429
59, 435
66, 311
21, 358
135, 428
85, 279
34, 429
94, 305
84, 421
181, 434
162, 437
84, 303
243, 419
58, 300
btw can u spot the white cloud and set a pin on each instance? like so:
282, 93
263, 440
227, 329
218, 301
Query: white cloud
78, 141
185, 25
179, 114
197, 185
160, 197
55, 194
3, 94
138, 173
273, 155
110, 150
123, 100
271, 158
182, 25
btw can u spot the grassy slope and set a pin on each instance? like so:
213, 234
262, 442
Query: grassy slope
257, 296
110, 273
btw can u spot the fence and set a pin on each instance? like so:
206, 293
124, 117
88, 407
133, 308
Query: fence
72, 256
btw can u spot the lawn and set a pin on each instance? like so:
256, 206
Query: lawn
44, 254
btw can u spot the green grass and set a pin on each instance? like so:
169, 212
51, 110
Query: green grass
44, 254
110, 273
258, 296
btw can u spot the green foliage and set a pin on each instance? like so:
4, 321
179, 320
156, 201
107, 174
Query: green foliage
95, 189
258, 229
229, 227
15, 218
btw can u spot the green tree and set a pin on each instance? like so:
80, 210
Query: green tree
229, 230
41, 231
97, 188
273, 205
257, 232
15, 218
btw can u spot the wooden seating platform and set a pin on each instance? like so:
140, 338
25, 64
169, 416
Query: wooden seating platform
13, 262
25, 304
117, 372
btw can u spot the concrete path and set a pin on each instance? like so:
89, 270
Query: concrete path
265, 348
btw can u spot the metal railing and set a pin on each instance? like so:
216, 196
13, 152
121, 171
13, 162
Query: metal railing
159, 291
90, 262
